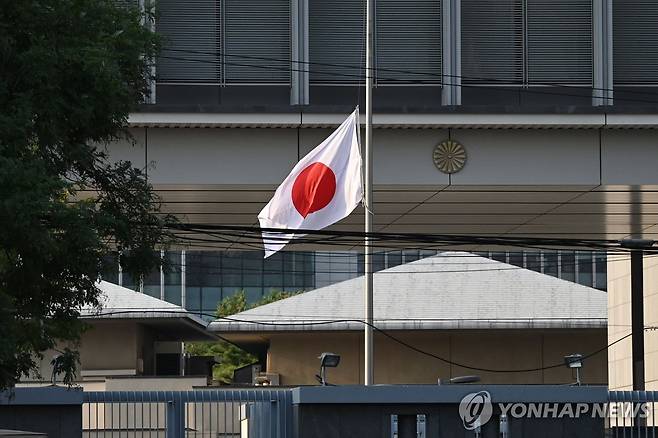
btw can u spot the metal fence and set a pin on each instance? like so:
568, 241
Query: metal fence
632, 414
267, 413
253, 413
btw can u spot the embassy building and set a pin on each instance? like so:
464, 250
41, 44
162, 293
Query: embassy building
198, 280
508, 118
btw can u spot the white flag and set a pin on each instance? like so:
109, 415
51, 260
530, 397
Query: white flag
323, 188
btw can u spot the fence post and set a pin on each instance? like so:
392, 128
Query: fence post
175, 418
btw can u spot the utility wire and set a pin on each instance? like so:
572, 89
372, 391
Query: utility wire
406, 71
377, 329
406, 81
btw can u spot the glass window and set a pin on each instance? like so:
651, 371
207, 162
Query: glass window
427, 253
172, 277
411, 255
550, 263
533, 261
585, 276
601, 275
110, 268
394, 259
253, 294
568, 265
193, 298
516, 259
288, 270
499, 256
210, 298
273, 269
232, 269
151, 282
252, 269
202, 280
378, 261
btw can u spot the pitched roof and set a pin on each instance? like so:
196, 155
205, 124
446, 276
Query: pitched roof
453, 290
118, 302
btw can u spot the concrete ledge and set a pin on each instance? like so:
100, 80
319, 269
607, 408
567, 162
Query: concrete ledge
46, 395
430, 394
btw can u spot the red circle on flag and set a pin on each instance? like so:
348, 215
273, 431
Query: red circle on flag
313, 189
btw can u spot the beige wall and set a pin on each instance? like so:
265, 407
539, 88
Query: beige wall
110, 345
106, 345
619, 322
295, 356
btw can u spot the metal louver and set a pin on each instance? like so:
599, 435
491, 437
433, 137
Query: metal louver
559, 41
256, 29
635, 42
408, 38
191, 32
492, 41
336, 36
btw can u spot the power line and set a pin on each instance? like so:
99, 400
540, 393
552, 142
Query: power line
406, 81
377, 329
252, 232
392, 70
219, 270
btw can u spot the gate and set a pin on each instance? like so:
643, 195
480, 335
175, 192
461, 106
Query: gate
204, 413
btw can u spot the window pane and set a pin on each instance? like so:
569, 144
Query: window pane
110, 268
601, 271
550, 263
254, 294
378, 261
232, 269
585, 268
172, 277
252, 269
568, 265
492, 41
411, 255
533, 261
273, 268
151, 283
193, 298
394, 259
516, 259
210, 298
173, 294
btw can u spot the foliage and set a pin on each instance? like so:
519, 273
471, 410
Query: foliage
230, 356
71, 71
65, 363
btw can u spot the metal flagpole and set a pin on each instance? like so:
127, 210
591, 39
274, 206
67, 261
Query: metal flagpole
368, 338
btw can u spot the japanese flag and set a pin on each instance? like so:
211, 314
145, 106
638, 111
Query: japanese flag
323, 188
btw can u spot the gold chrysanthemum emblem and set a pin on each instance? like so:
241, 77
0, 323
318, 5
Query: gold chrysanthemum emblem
449, 156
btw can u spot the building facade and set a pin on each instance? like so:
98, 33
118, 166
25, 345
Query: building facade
555, 104
199, 280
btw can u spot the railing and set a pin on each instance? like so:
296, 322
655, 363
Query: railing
632, 414
253, 413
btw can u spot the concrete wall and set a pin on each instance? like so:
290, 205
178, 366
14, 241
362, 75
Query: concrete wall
295, 356
619, 322
578, 157
110, 346
106, 346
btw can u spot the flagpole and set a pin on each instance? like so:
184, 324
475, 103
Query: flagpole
368, 289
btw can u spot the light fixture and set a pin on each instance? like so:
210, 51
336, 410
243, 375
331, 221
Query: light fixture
327, 360
459, 380
574, 361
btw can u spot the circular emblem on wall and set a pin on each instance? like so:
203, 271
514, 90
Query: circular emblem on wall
449, 156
